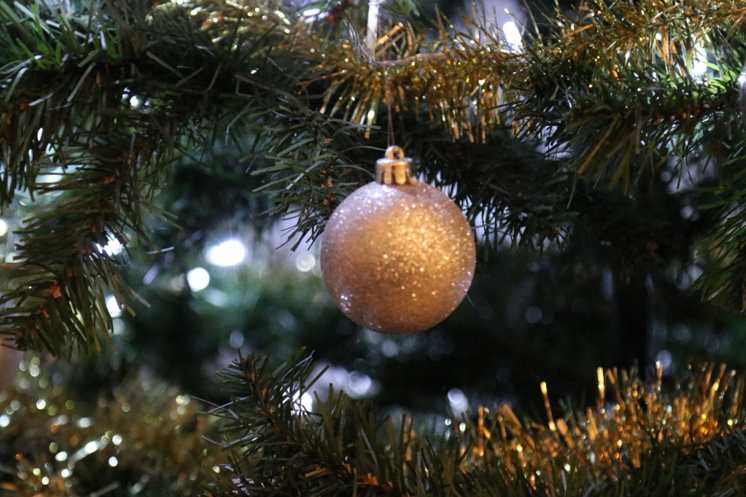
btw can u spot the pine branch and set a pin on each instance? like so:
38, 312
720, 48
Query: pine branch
115, 114
122, 91
641, 437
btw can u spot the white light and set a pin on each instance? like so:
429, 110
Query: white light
90, 447
228, 253
61, 456
45, 481
198, 279
49, 178
305, 262
66, 473
4, 420
360, 385
113, 306
664, 359
112, 247
699, 62
311, 15
3, 227
458, 400
113, 461
306, 401
117, 439
512, 34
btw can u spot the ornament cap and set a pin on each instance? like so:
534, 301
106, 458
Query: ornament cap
394, 168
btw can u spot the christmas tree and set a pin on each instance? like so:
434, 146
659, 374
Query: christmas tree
155, 154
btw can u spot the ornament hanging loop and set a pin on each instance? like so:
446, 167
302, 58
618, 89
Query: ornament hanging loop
394, 168
394, 152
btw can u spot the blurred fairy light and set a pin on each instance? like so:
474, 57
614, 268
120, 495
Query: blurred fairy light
355, 383
113, 306
305, 262
227, 253
88, 449
312, 15
360, 385
512, 35
457, 399
198, 279
113, 461
664, 361
3, 227
305, 400
53, 176
112, 247
699, 62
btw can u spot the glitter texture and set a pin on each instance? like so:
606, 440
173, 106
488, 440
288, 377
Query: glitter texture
398, 259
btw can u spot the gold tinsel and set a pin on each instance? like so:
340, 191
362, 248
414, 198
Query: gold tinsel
467, 77
631, 415
146, 428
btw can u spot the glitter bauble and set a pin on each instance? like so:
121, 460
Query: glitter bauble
10, 360
398, 258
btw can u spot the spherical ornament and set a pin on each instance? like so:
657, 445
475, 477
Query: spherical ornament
398, 257
10, 360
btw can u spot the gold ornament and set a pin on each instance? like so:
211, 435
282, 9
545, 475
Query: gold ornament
397, 255
10, 360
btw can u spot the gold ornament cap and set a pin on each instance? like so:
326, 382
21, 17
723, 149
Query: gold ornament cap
394, 168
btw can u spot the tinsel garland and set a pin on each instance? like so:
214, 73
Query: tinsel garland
145, 439
655, 435
641, 436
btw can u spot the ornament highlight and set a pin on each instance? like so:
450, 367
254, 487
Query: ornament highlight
397, 255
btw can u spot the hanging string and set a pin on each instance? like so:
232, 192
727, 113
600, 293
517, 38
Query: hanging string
388, 96
371, 38
371, 42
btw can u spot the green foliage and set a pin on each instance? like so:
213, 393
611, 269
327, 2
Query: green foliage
652, 442
555, 146
115, 115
